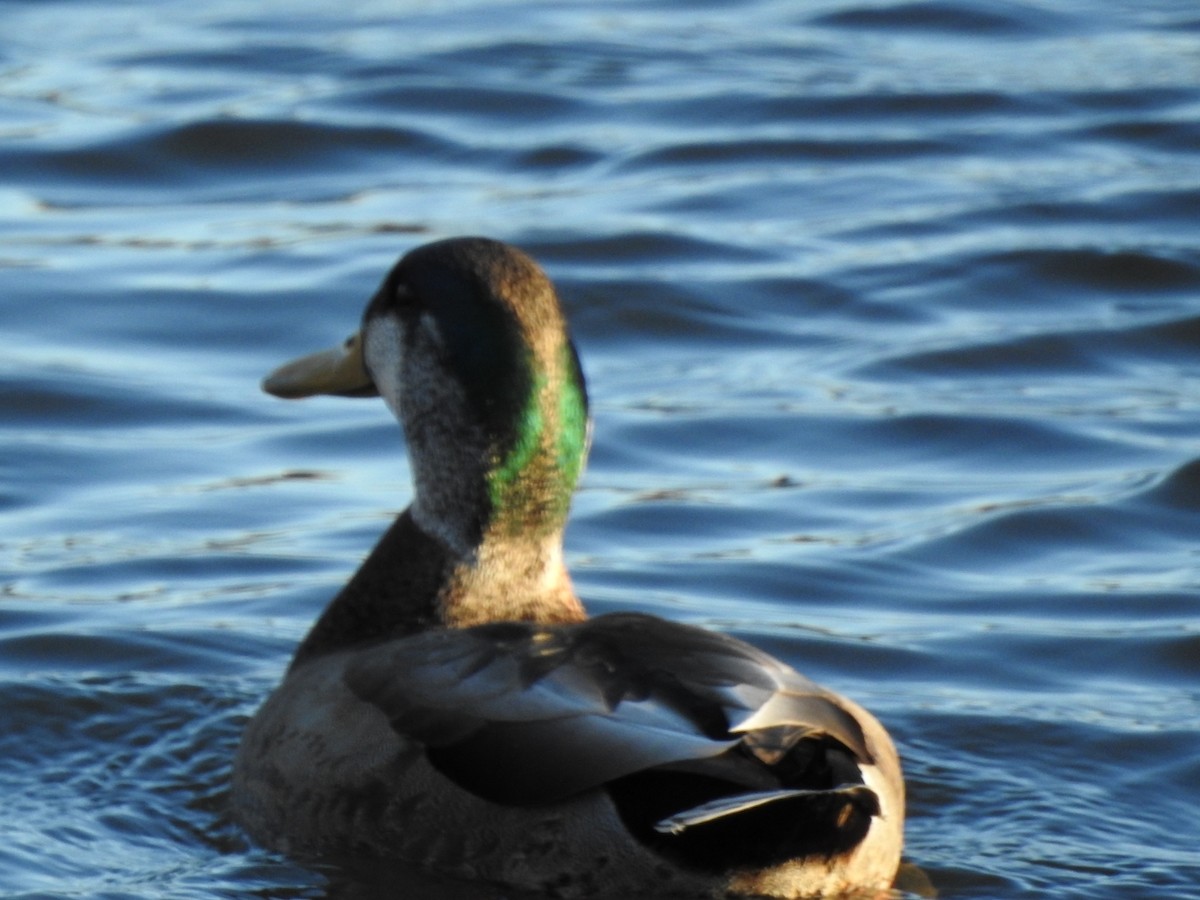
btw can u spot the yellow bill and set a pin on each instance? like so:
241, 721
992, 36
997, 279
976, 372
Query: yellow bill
339, 370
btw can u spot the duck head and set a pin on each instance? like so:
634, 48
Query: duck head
466, 343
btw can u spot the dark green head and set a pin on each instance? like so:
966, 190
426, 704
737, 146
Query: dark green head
467, 344
466, 341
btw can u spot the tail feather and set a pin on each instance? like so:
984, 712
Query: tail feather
857, 796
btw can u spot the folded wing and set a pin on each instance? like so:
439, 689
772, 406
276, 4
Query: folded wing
527, 714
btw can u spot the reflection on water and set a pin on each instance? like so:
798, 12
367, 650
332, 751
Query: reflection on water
889, 315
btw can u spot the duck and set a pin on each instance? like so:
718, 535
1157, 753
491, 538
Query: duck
456, 710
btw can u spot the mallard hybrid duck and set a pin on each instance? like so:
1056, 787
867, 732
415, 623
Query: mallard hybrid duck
455, 708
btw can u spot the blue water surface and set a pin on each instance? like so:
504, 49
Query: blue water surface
891, 318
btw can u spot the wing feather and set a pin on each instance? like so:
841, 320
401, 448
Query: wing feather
521, 713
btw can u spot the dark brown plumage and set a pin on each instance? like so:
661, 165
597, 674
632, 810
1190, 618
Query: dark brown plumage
455, 708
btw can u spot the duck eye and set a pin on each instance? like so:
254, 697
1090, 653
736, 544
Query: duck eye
403, 295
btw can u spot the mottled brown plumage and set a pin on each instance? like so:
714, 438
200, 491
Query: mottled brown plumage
454, 708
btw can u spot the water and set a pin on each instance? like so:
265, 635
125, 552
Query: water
890, 313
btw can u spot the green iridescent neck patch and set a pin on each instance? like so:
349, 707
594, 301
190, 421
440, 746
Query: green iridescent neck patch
530, 488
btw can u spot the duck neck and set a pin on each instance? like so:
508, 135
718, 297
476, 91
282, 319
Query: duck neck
505, 532
510, 581
531, 475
